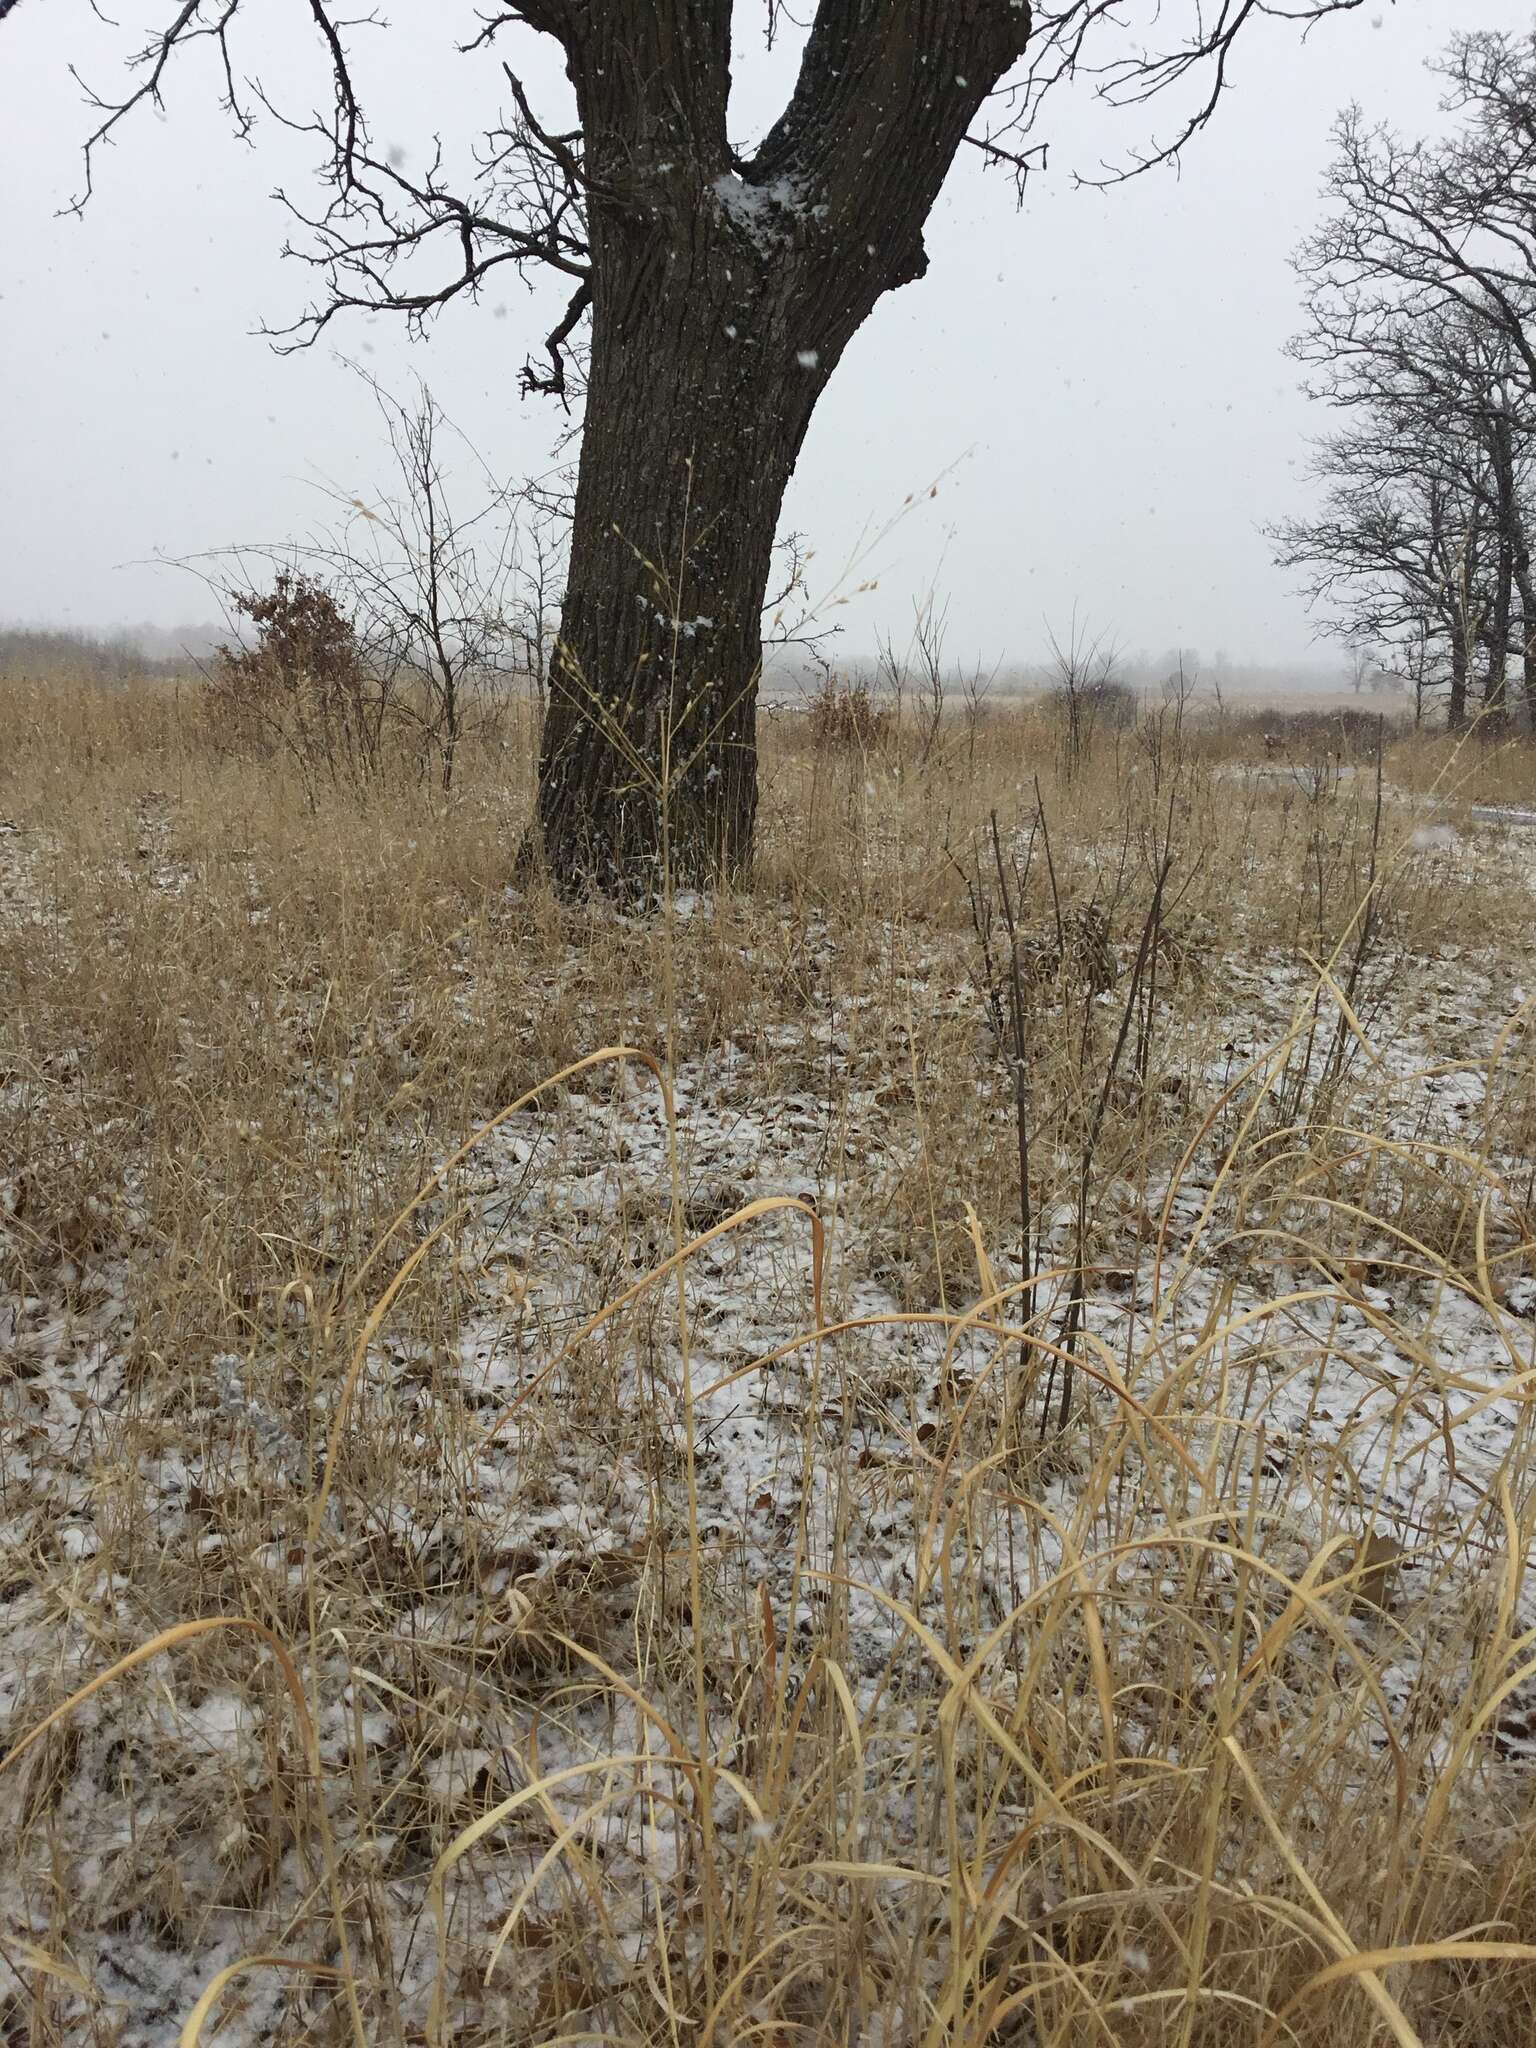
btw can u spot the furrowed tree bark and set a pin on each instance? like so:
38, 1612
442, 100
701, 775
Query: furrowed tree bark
648, 767
723, 297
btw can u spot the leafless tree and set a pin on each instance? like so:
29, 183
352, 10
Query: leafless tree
1421, 308
434, 590
1416, 332
441, 585
919, 673
544, 545
1360, 658
722, 291
1394, 555
1087, 689
1442, 226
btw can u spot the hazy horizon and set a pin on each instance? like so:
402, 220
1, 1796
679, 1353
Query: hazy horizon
790, 668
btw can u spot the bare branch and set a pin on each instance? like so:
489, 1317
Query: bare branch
1064, 36
185, 28
562, 19
553, 381
652, 80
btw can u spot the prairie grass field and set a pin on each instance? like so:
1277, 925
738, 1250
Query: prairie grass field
939, 1448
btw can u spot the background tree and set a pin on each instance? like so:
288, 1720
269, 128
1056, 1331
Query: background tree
1420, 299
1403, 549
1422, 310
1447, 225
721, 292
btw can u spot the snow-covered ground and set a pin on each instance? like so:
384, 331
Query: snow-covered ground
1315, 1334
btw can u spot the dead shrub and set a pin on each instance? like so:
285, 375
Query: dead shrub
304, 690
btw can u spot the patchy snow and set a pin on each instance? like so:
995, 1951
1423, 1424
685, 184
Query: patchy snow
1372, 1396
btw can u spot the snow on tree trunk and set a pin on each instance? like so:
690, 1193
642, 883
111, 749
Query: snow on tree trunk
723, 296
706, 362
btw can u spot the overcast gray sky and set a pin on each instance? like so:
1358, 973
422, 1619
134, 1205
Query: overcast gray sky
1098, 378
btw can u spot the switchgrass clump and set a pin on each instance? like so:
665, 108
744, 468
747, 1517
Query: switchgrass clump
799, 1469
843, 716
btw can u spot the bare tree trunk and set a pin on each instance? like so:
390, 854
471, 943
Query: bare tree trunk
1496, 637
723, 296
1418, 675
1527, 590
1501, 618
696, 410
1496, 644
1456, 715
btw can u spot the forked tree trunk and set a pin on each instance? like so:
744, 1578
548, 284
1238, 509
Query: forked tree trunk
723, 296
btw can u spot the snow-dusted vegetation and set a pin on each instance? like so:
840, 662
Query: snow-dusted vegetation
762, 1473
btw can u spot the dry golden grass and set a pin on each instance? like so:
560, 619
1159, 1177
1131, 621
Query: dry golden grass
624, 1581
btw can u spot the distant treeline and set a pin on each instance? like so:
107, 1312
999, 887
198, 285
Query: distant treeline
120, 657
132, 653
1211, 678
